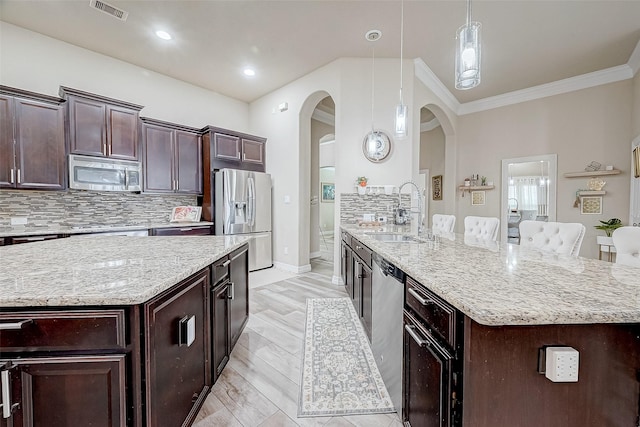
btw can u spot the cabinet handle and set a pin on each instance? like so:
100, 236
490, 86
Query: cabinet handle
232, 291
109, 150
358, 247
226, 263
13, 176
6, 396
18, 175
14, 326
421, 300
417, 338
104, 149
187, 330
186, 229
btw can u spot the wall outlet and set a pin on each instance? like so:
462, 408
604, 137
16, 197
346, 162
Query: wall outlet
562, 364
19, 220
286, 250
382, 219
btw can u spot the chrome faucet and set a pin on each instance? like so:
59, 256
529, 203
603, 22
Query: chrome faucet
400, 216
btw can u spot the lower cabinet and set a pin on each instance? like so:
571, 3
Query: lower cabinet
220, 328
238, 293
177, 348
356, 270
182, 231
64, 391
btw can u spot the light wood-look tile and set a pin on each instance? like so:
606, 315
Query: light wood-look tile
259, 387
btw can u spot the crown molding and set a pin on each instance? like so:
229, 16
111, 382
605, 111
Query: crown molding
324, 117
426, 76
634, 59
584, 81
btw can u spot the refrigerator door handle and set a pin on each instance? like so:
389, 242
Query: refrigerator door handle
251, 198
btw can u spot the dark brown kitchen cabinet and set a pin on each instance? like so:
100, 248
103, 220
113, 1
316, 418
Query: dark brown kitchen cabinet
238, 293
172, 157
225, 148
32, 141
101, 126
177, 348
30, 239
221, 345
204, 230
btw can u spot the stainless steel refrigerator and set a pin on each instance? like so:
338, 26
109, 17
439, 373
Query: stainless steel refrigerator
243, 207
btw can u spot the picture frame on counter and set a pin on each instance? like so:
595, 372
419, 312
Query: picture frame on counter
436, 186
186, 214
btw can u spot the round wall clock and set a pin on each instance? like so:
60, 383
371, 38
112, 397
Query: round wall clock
376, 146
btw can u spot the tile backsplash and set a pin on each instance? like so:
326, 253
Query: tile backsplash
353, 205
88, 207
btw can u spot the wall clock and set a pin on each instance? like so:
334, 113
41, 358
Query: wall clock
376, 146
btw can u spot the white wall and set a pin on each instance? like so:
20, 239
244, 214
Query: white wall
42, 64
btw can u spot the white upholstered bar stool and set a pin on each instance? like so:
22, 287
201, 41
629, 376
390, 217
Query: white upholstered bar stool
481, 227
627, 243
442, 223
557, 237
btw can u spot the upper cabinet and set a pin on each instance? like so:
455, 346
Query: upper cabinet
225, 148
32, 143
172, 157
100, 126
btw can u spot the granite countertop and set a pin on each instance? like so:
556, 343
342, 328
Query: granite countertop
40, 230
109, 270
505, 284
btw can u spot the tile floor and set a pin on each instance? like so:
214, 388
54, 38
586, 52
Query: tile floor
259, 386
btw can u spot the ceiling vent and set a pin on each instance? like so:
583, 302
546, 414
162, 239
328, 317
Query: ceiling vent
108, 9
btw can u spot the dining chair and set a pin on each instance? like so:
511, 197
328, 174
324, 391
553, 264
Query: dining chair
442, 223
557, 237
482, 227
627, 243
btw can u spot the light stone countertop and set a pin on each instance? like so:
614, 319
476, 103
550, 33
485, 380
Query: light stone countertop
505, 284
105, 270
38, 230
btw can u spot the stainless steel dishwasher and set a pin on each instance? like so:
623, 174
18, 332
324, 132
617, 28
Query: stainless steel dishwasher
387, 330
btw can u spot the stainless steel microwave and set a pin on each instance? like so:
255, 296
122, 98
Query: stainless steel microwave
102, 174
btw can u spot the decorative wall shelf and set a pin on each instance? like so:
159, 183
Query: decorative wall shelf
470, 188
591, 193
591, 173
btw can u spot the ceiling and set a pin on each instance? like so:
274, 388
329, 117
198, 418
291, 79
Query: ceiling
525, 43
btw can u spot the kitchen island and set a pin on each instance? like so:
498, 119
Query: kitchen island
117, 330
478, 318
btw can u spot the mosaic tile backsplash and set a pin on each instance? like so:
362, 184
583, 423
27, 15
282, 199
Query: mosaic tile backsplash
353, 205
88, 207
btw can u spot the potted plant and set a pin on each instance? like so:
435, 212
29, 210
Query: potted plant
362, 184
608, 227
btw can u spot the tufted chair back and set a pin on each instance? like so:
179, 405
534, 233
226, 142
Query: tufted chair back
443, 223
627, 243
481, 227
557, 237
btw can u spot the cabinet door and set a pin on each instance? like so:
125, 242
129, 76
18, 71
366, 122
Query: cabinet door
252, 151
239, 293
158, 145
356, 296
122, 133
365, 281
65, 391
177, 349
188, 162
348, 271
220, 328
87, 126
40, 145
6, 142
426, 379
226, 147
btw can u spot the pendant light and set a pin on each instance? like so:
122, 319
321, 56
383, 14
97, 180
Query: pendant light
401, 108
468, 53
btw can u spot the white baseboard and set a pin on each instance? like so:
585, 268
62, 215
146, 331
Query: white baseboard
292, 268
337, 280
315, 255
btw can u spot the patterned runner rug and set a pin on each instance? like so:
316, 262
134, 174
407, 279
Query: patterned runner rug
339, 373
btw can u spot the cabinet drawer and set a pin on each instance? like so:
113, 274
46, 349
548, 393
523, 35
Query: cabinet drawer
62, 330
362, 251
220, 270
346, 237
182, 231
435, 313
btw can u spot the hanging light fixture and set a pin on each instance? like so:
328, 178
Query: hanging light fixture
468, 53
401, 108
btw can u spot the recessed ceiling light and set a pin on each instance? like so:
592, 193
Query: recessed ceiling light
163, 35
249, 72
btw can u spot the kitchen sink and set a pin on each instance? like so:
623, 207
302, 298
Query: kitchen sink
392, 237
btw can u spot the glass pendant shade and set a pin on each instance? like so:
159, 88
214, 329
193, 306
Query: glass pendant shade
468, 56
401, 121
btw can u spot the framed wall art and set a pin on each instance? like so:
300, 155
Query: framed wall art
328, 192
436, 185
477, 198
591, 205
